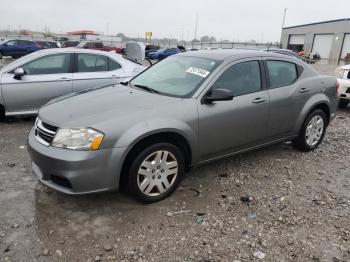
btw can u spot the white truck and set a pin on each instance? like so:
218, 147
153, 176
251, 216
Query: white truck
344, 85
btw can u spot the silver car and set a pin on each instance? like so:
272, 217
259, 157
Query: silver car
187, 110
31, 81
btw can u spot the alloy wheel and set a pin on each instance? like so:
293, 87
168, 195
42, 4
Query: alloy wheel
314, 130
157, 173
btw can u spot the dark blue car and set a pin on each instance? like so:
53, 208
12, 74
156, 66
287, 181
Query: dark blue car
17, 48
163, 53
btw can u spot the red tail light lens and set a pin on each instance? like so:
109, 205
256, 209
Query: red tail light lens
39, 46
337, 86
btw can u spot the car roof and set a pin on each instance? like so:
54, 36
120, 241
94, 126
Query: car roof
223, 54
70, 50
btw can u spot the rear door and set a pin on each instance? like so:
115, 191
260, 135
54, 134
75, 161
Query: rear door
287, 96
45, 78
94, 70
25, 47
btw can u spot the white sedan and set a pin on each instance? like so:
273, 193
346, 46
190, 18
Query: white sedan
31, 81
344, 85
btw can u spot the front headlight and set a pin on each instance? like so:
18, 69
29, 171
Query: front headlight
78, 139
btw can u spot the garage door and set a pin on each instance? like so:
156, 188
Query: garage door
297, 39
323, 45
296, 43
346, 46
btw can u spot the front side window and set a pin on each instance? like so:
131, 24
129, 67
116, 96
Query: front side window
281, 73
51, 64
11, 43
113, 65
98, 45
177, 76
241, 79
92, 63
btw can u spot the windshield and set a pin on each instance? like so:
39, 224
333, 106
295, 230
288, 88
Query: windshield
178, 76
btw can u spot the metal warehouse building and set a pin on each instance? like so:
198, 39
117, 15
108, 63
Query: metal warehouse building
330, 39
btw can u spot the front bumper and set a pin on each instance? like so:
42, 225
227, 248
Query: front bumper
76, 172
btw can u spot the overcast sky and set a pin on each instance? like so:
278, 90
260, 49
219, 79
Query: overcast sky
225, 19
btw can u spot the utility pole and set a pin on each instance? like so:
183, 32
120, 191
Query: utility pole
284, 20
284, 17
182, 32
195, 29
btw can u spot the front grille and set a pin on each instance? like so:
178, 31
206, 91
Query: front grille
44, 133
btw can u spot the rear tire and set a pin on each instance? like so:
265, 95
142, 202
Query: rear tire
343, 104
155, 172
312, 132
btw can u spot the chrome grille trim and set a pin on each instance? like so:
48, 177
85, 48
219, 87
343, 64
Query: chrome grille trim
42, 134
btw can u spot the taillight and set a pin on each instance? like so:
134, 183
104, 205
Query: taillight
39, 46
337, 86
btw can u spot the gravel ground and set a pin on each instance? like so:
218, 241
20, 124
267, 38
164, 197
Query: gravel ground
274, 204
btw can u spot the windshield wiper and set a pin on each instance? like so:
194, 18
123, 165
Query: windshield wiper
147, 89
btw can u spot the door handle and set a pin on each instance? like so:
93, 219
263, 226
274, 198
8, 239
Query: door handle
304, 90
259, 100
64, 79
115, 77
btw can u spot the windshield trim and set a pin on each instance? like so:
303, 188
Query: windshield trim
189, 95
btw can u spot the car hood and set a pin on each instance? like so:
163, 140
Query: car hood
85, 109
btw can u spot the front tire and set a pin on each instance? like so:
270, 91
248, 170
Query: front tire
1, 55
155, 172
343, 104
312, 132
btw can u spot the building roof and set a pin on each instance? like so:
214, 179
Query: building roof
318, 23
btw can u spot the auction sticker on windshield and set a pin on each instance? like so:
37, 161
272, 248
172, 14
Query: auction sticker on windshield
198, 71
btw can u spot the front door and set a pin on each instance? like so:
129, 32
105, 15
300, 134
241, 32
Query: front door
94, 70
229, 126
45, 78
11, 48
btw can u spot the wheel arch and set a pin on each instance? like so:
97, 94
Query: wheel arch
317, 102
170, 136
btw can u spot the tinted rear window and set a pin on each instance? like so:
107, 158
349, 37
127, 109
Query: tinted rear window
281, 73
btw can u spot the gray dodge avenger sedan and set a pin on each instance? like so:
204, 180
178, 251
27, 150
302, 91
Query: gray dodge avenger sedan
187, 110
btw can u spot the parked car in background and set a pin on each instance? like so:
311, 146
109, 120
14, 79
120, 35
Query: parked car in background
150, 49
283, 52
186, 110
30, 82
17, 48
163, 53
99, 46
70, 44
47, 44
344, 85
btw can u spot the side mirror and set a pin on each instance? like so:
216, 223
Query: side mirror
19, 72
218, 94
